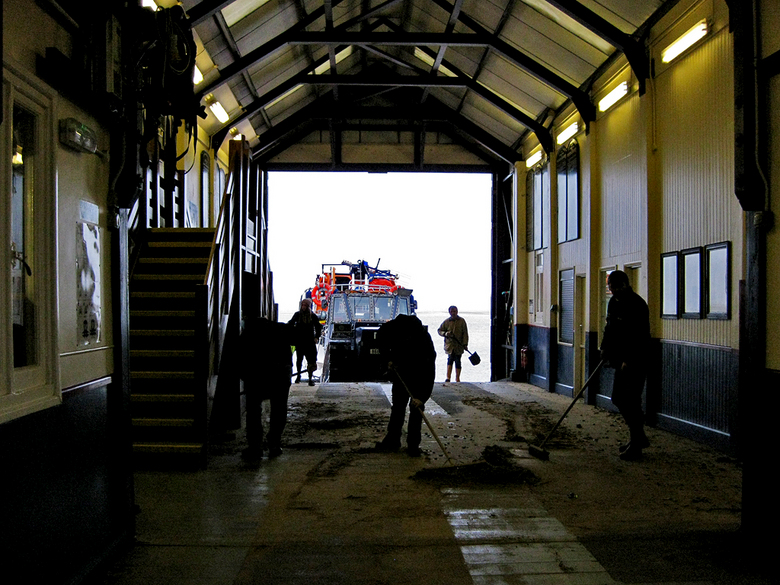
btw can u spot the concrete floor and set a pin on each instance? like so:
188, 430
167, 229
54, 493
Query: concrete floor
331, 510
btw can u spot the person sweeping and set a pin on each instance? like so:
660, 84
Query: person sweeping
407, 348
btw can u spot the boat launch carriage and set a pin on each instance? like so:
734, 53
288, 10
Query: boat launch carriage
353, 300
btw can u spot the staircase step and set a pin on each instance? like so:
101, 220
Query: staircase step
167, 265
163, 313
181, 448
164, 422
154, 375
162, 353
180, 234
163, 332
162, 398
162, 300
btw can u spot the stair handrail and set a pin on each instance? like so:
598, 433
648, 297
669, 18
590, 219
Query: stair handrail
216, 295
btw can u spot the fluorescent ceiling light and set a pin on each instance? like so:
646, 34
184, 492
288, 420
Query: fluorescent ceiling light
567, 133
685, 41
197, 76
217, 109
613, 96
533, 159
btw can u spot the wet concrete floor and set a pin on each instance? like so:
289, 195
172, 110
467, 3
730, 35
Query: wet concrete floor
332, 510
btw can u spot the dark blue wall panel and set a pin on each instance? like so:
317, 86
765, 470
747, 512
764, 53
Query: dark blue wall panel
66, 502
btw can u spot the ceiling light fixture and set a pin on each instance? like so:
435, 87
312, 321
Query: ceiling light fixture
197, 76
684, 42
533, 159
613, 96
217, 109
567, 133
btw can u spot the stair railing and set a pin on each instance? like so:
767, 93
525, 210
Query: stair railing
218, 299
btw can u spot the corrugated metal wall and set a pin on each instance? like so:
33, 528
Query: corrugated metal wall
695, 162
623, 169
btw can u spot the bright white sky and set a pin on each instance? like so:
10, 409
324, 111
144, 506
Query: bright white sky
433, 230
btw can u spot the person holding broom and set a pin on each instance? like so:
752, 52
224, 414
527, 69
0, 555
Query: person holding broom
456, 340
407, 348
626, 347
266, 369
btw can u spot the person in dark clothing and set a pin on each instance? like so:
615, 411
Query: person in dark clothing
307, 329
407, 348
625, 347
266, 369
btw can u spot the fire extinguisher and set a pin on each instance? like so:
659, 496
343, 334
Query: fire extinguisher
525, 358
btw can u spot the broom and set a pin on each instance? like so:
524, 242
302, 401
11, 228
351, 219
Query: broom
539, 451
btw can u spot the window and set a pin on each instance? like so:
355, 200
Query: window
691, 283
567, 168
566, 304
537, 207
205, 165
27, 260
669, 286
717, 259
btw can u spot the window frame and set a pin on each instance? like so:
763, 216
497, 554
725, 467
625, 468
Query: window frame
28, 389
690, 285
667, 273
567, 169
707, 288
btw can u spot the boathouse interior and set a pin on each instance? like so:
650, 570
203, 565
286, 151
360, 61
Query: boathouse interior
620, 134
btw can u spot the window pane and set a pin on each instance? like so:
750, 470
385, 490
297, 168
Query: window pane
718, 292
22, 240
692, 271
669, 286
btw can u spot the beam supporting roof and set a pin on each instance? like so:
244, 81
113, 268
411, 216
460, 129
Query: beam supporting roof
631, 48
306, 118
578, 97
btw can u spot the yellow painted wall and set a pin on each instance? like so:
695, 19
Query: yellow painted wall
694, 167
82, 177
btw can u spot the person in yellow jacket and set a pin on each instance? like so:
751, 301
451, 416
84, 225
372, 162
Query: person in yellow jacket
456, 340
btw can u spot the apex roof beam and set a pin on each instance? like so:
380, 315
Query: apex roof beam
542, 133
578, 97
443, 48
244, 63
368, 14
205, 10
631, 48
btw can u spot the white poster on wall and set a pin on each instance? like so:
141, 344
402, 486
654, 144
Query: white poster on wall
88, 284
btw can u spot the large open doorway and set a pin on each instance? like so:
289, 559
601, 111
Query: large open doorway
432, 229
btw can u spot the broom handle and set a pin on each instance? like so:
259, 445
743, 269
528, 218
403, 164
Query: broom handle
576, 398
425, 418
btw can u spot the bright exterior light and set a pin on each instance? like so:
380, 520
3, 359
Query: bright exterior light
533, 159
149, 4
685, 41
567, 133
197, 76
613, 96
217, 109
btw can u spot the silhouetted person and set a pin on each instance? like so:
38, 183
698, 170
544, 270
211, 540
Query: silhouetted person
456, 340
626, 347
266, 370
308, 329
406, 346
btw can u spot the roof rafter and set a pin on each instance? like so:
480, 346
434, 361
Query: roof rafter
631, 48
578, 97
433, 111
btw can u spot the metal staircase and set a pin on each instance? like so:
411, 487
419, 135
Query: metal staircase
168, 415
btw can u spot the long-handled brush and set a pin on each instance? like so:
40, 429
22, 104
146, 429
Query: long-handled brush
539, 451
425, 418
